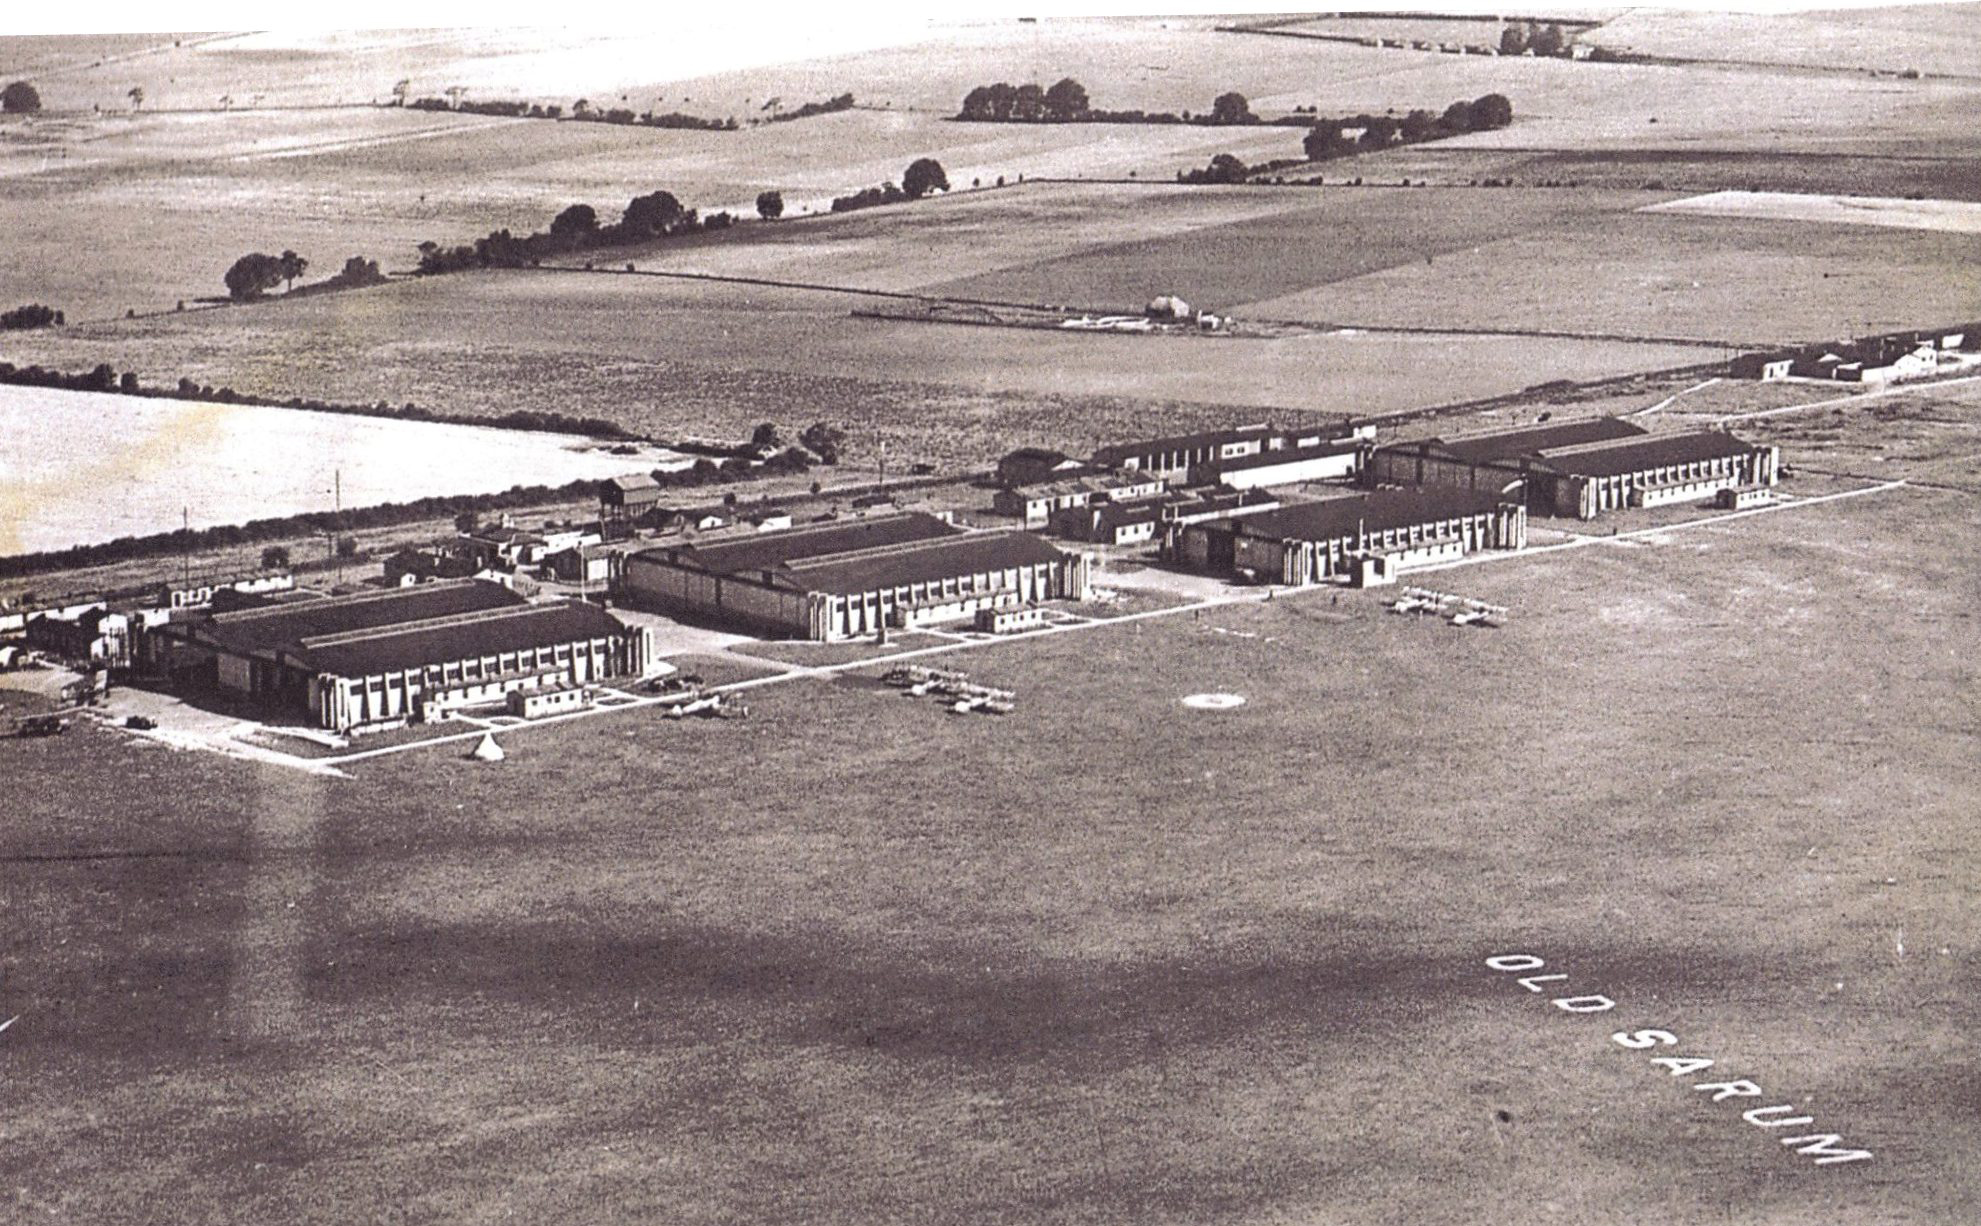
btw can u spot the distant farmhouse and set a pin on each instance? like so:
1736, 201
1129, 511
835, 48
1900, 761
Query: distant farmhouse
838, 580
1581, 469
1891, 358
1363, 538
380, 659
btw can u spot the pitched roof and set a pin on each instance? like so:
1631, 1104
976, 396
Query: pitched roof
767, 551
1114, 453
1332, 518
253, 630
1286, 455
1527, 440
921, 561
1614, 458
487, 632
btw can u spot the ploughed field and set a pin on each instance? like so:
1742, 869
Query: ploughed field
1108, 957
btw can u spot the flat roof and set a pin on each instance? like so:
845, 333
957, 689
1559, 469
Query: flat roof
770, 550
251, 630
1621, 456
920, 561
463, 636
1527, 440
1377, 510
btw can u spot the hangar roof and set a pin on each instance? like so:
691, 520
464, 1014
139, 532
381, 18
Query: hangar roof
1334, 518
251, 630
487, 632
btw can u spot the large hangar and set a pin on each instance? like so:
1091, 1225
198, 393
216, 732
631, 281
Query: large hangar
1384, 531
838, 580
1581, 469
377, 659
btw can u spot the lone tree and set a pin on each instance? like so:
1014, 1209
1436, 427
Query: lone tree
924, 175
136, 95
575, 222
1513, 40
1547, 40
1380, 134
1232, 108
252, 276
19, 98
770, 205
292, 267
399, 91
648, 214
824, 440
1492, 111
1225, 168
1324, 140
1028, 104
765, 435
1067, 101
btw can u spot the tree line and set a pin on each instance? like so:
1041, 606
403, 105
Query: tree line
584, 112
104, 378
1067, 102
654, 215
924, 175
1327, 139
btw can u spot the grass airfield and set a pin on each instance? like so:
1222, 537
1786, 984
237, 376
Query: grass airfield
1174, 964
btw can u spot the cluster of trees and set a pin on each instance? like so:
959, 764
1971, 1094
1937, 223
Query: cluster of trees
255, 273
33, 315
924, 175
1540, 39
20, 98
770, 205
1327, 139
654, 215
105, 378
1067, 102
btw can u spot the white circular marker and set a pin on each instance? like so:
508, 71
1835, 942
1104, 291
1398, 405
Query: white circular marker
1214, 702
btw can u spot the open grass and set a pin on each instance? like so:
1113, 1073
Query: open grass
1666, 274
1168, 964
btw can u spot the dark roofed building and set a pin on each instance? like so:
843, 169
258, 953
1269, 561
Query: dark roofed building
1310, 542
839, 580
1582, 469
1527, 440
1031, 465
376, 659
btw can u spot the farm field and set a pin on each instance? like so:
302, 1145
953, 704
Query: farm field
1950, 216
1669, 274
668, 357
65, 456
1931, 38
1338, 234
360, 180
1177, 965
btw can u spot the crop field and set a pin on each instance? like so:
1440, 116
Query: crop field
1670, 274
1175, 965
667, 356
